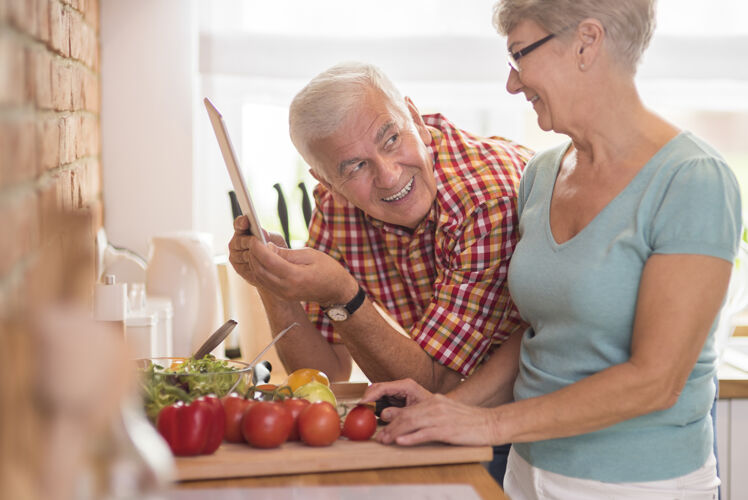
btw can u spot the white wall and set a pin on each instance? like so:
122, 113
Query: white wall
148, 81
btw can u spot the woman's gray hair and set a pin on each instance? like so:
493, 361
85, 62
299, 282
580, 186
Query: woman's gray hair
628, 24
319, 109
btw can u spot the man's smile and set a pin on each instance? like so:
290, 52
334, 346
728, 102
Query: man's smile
402, 193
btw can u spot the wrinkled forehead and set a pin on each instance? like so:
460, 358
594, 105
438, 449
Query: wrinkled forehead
364, 127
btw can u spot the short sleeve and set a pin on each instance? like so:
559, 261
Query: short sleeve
700, 211
471, 307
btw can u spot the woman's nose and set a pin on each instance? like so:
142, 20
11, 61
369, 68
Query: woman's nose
513, 83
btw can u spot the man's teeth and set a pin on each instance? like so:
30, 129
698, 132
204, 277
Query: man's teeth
533, 99
401, 194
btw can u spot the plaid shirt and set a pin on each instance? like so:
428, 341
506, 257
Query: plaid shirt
445, 280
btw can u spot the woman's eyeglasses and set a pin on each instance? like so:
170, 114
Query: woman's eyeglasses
514, 57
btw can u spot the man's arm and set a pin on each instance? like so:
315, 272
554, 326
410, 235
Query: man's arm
301, 347
284, 277
381, 352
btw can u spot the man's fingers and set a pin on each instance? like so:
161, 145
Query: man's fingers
405, 388
241, 223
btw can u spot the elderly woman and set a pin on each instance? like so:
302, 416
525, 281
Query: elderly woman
627, 236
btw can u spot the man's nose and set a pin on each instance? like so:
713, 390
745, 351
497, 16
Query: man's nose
513, 83
388, 174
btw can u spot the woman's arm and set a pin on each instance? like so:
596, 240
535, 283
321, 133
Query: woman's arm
679, 297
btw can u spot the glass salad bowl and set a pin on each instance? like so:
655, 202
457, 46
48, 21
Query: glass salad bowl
165, 381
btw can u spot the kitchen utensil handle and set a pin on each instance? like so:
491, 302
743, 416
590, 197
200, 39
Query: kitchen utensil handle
236, 210
283, 214
215, 339
306, 205
271, 344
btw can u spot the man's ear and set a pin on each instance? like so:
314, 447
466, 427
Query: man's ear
338, 197
423, 130
320, 179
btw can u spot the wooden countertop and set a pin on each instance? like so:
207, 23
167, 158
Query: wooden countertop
733, 382
472, 474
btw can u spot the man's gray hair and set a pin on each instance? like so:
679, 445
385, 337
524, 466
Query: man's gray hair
629, 24
319, 109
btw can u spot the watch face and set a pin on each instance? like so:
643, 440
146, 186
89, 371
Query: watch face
337, 313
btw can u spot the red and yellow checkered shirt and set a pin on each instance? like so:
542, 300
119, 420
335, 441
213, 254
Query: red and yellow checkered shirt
445, 280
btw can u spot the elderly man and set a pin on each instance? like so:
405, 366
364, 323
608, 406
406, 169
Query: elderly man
412, 214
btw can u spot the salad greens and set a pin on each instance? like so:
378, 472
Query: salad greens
187, 380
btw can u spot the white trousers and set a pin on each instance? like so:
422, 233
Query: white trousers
525, 482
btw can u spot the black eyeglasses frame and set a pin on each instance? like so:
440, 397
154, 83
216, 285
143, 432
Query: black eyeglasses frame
514, 57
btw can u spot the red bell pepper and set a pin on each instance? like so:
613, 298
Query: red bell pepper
217, 422
191, 429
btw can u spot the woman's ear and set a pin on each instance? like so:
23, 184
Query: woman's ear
423, 130
589, 40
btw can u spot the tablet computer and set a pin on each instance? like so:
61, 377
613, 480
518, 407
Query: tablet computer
232, 164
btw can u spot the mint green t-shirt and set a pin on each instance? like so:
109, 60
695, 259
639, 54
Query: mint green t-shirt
579, 298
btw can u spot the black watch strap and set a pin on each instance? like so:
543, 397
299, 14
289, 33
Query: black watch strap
356, 301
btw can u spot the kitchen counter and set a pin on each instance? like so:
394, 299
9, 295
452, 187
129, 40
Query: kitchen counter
472, 474
733, 372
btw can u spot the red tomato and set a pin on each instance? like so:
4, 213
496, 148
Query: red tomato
234, 407
267, 424
319, 424
360, 424
217, 422
295, 406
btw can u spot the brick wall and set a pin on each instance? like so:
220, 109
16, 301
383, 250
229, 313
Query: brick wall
49, 126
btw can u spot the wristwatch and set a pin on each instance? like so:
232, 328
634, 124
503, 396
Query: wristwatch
341, 312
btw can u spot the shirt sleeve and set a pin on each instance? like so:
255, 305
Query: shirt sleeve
471, 308
700, 212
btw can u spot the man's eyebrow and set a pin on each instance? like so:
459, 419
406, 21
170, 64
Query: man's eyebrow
383, 130
343, 164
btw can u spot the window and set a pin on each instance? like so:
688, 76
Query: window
254, 56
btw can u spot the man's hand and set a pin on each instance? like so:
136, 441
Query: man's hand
291, 275
407, 389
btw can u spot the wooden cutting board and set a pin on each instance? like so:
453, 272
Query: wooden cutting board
240, 460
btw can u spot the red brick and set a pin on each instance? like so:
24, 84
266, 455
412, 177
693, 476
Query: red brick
42, 19
77, 34
78, 86
91, 13
92, 93
26, 157
61, 85
81, 136
22, 15
68, 132
5, 140
19, 213
49, 143
59, 28
12, 74
48, 202
42, 64
19, 151
64, 190
90, 48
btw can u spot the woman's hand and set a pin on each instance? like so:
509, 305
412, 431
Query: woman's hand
431, 417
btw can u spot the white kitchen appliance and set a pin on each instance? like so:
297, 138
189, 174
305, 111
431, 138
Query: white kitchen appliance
181, 267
